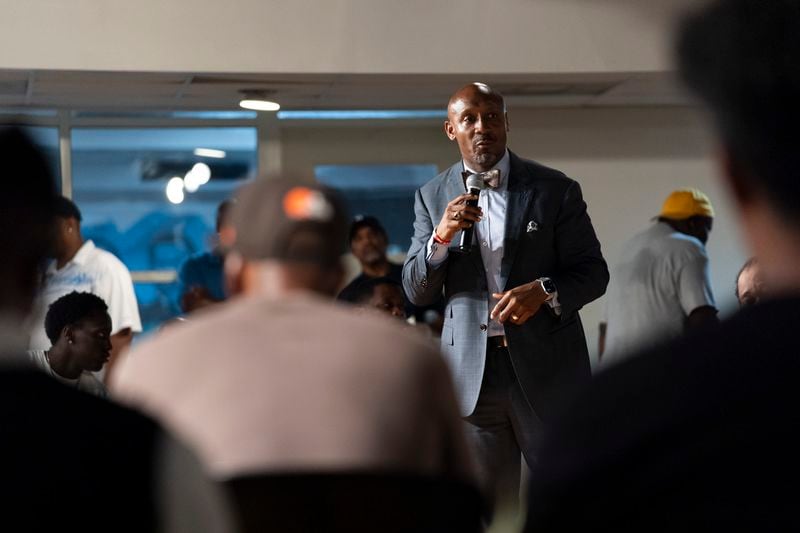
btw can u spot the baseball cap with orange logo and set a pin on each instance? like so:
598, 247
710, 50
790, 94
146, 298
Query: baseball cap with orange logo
290, 219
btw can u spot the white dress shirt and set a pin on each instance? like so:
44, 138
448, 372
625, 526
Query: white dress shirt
490, 233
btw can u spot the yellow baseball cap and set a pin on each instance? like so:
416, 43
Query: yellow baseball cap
686, 203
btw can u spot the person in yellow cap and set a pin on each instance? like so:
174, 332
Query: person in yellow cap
660, 287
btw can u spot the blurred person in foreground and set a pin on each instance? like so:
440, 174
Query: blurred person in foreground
79, 329
81, 266
702, 433
67, 456
282, 378
201, 277
661, 286
750, 283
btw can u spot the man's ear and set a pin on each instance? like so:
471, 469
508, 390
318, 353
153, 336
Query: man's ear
449, 130
68, 334
735, 177
234, 270
73, 226
508, 124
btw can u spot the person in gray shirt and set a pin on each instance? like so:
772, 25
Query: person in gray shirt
660, 285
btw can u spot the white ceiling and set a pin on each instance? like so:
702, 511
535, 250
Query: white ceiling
131, 91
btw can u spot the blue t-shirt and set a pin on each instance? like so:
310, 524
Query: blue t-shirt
203, 270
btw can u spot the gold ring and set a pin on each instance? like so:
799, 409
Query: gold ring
514, 317
456, 216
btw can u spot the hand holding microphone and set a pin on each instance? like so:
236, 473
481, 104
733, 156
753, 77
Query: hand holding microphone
461, 214
474, 184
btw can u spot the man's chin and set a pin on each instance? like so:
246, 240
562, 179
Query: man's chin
487, 159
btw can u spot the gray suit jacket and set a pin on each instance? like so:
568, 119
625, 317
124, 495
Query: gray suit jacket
548, 352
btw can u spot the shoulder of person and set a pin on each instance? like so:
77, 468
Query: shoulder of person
533, 173
195, 261
438, 182
107, 261
687, 245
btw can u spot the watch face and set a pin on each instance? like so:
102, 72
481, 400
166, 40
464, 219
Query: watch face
549, 286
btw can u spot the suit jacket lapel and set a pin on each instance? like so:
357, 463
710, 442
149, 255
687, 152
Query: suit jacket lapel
521, 192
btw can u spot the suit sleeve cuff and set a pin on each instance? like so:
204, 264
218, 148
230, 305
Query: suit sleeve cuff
437, 253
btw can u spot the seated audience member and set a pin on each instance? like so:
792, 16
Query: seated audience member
660, 287
284, 379
79, 327
80, 266
69, 458
702, 433
368, 242
383, 294
750, 283
201, 277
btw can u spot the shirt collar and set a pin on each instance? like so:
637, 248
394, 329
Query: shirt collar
504, 166
80, 257
83, 253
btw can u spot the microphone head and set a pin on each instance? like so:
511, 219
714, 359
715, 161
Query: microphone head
475, 181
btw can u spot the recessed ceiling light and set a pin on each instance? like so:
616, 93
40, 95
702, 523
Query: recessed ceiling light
209, 152
259, 105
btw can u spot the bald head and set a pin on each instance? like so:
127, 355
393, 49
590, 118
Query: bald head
476, 119
476, 90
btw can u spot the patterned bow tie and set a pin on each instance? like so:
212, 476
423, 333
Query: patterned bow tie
490, 177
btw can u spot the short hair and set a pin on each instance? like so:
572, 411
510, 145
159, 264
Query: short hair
224, 212
364, 290
27, 206
366, 222
66, 208
71, 309
750, 262
740, 58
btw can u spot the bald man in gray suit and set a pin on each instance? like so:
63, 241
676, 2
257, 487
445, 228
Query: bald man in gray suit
512, 334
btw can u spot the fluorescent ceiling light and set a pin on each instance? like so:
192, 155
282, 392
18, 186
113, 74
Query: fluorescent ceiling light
259, 105
209, 152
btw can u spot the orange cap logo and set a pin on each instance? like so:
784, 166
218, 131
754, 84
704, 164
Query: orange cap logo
302, 203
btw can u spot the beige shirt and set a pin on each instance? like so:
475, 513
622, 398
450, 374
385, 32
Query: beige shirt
299, 383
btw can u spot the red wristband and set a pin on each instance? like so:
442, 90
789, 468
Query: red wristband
439, 240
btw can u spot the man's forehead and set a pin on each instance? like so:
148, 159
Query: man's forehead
473, 97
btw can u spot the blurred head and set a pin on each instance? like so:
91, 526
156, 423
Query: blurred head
368, 241
383, 294
68, 226
27, 207
750, 283
79, 324
477, 121
290, 234
740, 58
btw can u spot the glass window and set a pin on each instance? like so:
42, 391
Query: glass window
120, 179
383, 191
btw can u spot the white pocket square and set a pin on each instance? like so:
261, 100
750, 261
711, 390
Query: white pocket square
532, 226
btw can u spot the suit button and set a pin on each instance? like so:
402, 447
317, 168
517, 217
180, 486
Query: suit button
484, 327
424, 282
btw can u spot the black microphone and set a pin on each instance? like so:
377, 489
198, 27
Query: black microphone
474, 185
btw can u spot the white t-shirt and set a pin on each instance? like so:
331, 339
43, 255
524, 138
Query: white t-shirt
85, 382
662, 276
91, 270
